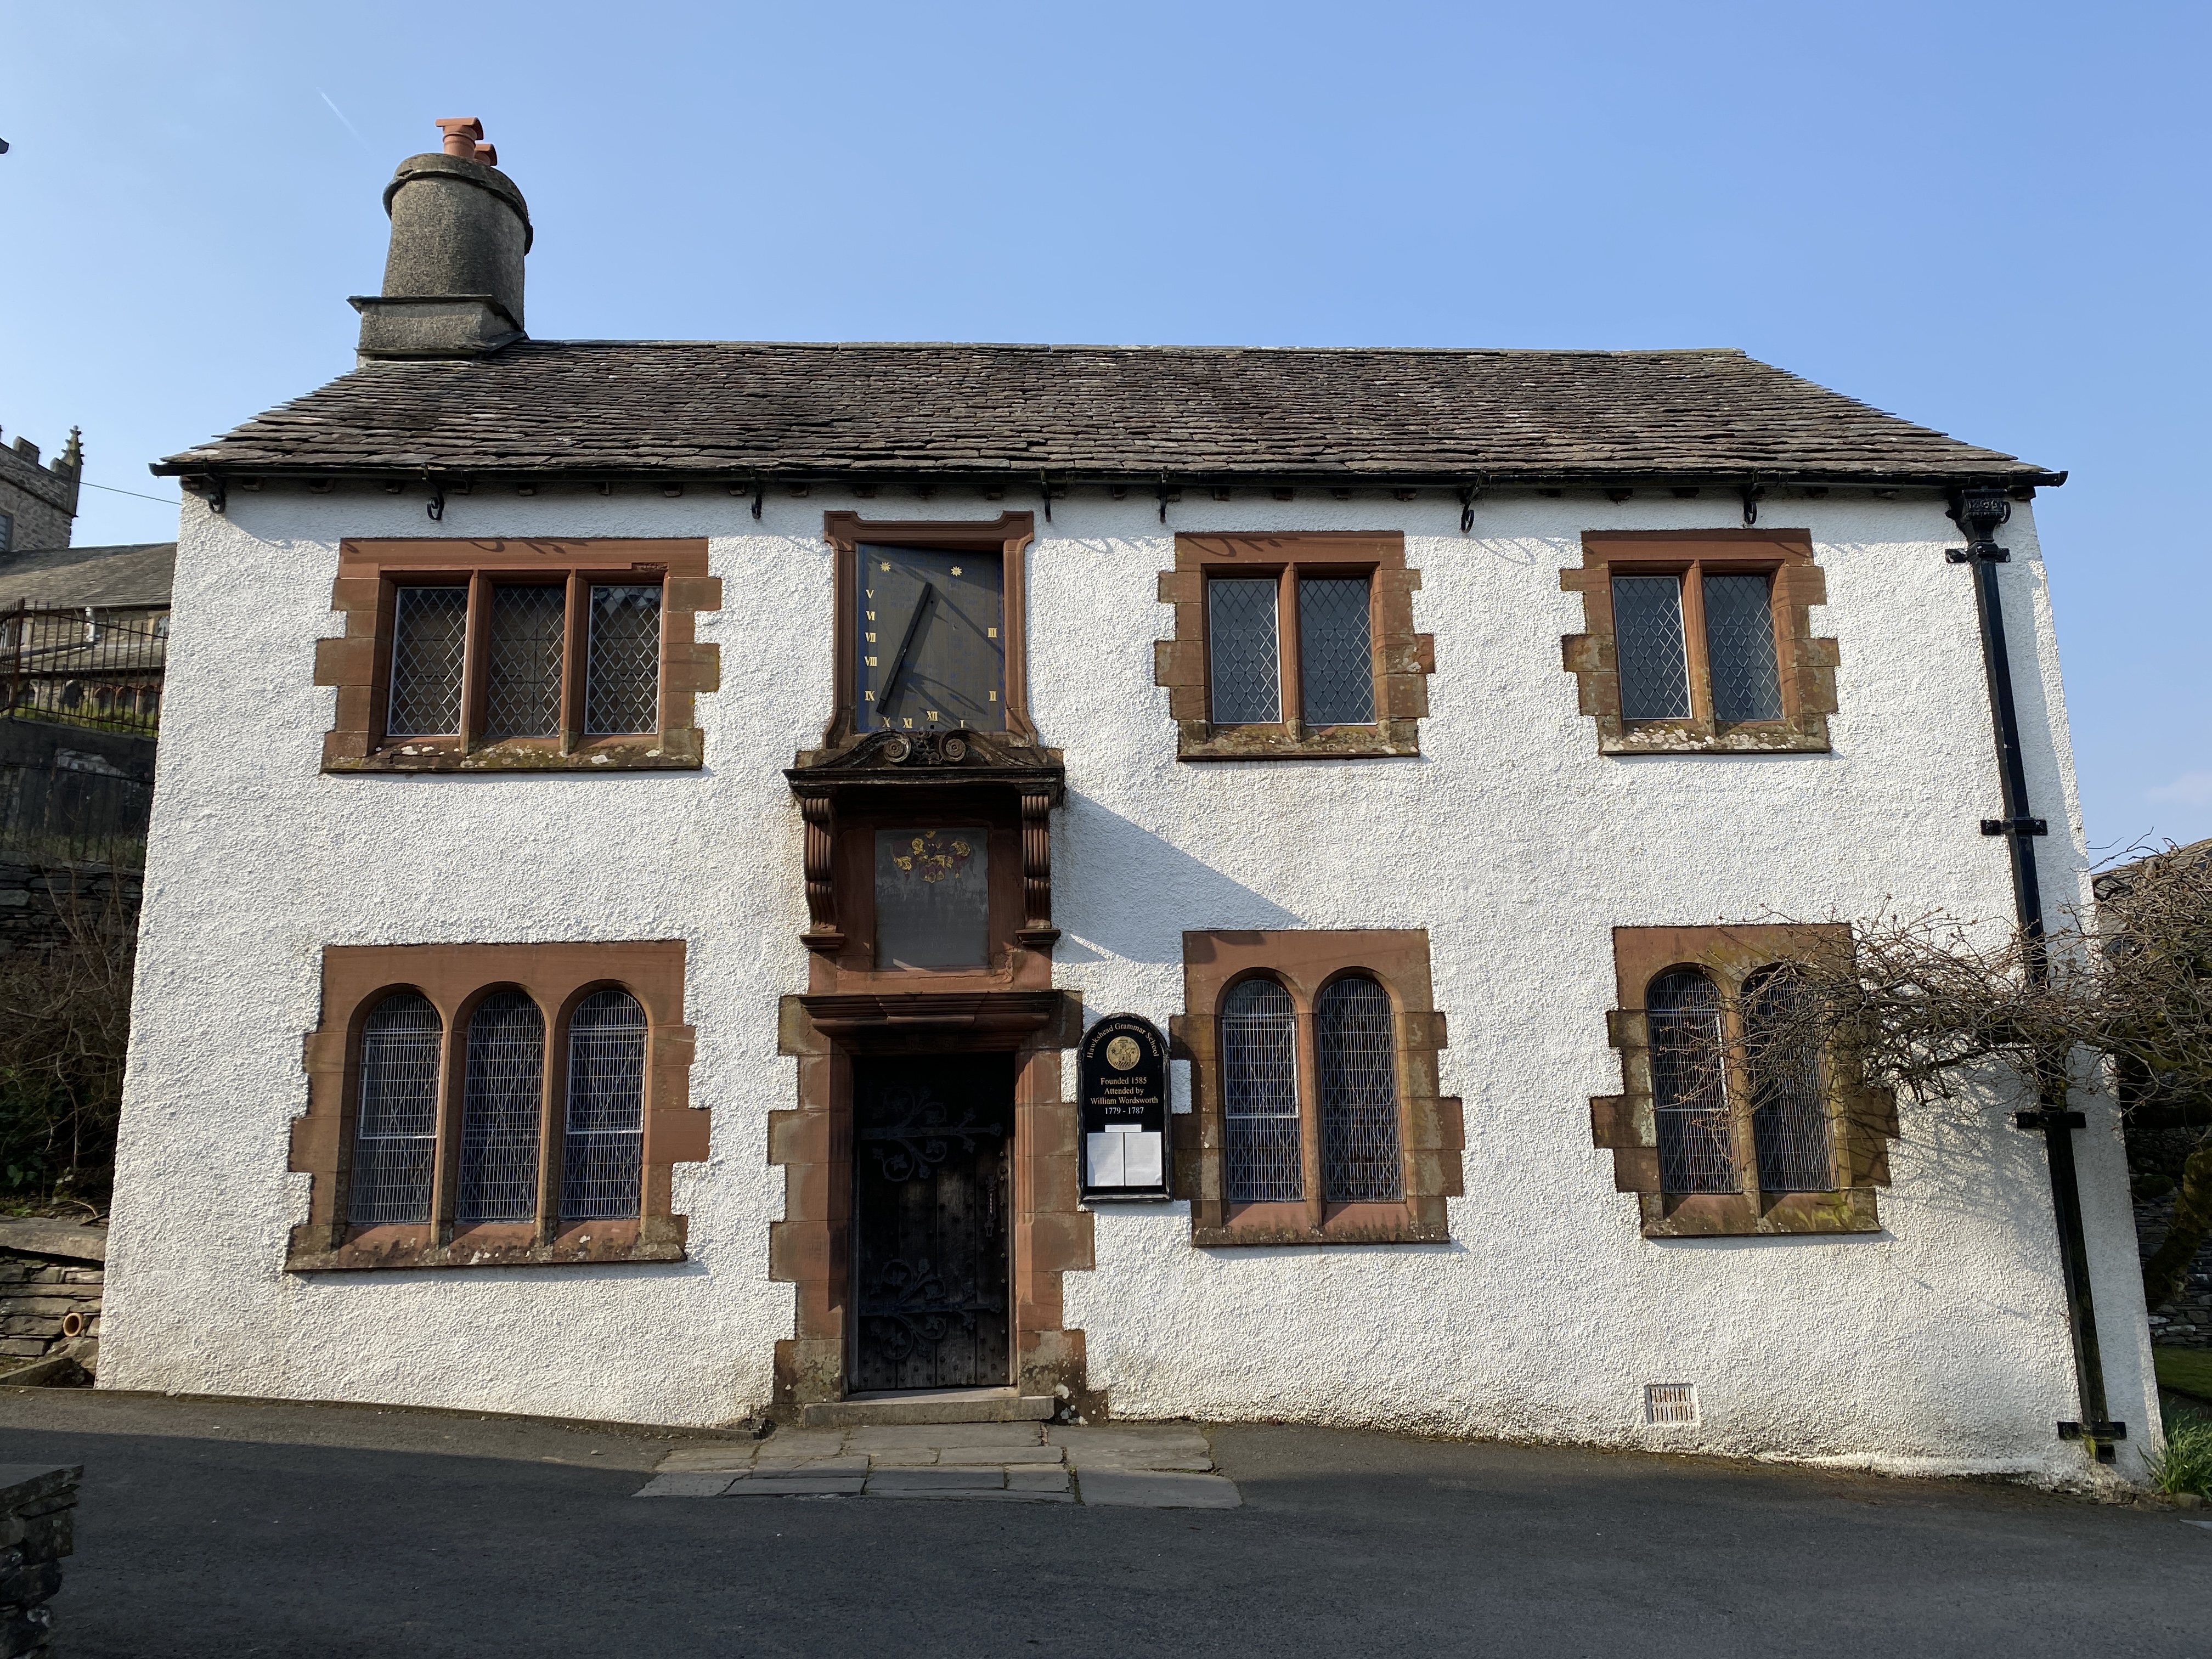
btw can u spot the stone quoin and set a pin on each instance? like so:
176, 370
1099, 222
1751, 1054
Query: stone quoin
698, 796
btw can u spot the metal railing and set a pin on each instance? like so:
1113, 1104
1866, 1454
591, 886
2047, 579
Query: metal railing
55, 815
85, 667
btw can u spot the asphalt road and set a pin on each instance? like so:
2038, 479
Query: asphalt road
213, 1529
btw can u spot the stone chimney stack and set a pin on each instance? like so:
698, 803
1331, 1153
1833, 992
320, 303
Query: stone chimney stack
453, 283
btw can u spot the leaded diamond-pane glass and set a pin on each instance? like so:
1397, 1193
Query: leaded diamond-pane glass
1740, 649
622, 680
602, 1160
499, 1109
395, 1124
1259, 1094
1689, 1083
1336, 668
523, 698
1359, 1159
1789, 1117
429, 635
1647, 632
1242, 647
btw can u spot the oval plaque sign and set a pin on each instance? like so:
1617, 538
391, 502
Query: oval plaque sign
1125, 1110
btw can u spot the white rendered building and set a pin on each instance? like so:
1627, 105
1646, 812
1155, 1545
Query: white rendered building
643, 830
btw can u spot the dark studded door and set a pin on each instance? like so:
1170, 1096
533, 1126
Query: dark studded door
929, 1221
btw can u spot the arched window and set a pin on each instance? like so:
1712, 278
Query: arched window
1689, 1083
1789, 1111
1260, 1095
604, 1143
395, 1137
1360, 1160
500, 1110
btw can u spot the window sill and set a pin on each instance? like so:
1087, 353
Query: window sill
1203, 741
1730, 1215
679, 748
1261, 1226
1806, 735
364, 1249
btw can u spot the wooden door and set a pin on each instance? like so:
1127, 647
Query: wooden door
930, 1226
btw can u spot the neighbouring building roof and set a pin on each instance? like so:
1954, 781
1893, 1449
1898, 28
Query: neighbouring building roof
739, 410
137, 575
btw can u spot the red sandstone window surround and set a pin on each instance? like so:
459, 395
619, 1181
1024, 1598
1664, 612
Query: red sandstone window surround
1723, 1128
1298, 646
517, 656
479, 1104
1701, 641
1315, 1117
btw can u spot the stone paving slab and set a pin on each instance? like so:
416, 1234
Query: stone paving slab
942, 1435
707, 1460
979, 1497
1136, 1465
685, 1485
1158, 1491
937, 1479
848, 1465
779, 1486
953, 1456
1195, 1462
1147, 1438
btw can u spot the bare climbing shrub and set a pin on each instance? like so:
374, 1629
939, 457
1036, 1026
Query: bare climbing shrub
64, 1024
1932, 1005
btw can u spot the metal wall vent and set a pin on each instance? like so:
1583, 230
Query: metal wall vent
1670, 1402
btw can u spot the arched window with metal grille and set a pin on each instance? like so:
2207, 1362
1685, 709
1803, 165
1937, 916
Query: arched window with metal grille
395, 1138
501, 1107
1689, 1083
1790, 1127
1356, 1039
1264, 1162
602, 1160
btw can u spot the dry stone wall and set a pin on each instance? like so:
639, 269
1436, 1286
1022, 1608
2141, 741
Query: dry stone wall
38, 1527
2185, 1322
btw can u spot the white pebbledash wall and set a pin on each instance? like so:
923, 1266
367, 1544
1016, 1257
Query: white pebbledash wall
1937, 1344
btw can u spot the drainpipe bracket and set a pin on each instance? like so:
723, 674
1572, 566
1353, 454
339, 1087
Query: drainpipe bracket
2101, 1435
2015, 826
2044, 1119
1987, 551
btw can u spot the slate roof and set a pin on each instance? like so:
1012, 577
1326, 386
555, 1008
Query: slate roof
133, 575
736, 410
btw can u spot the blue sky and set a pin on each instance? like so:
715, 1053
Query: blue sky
1990, 218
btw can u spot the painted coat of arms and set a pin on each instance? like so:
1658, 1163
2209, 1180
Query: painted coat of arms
934, 855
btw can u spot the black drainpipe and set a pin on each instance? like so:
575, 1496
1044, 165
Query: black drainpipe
1979, 512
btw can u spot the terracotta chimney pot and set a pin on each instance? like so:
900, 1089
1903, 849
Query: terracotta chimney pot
462, 132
